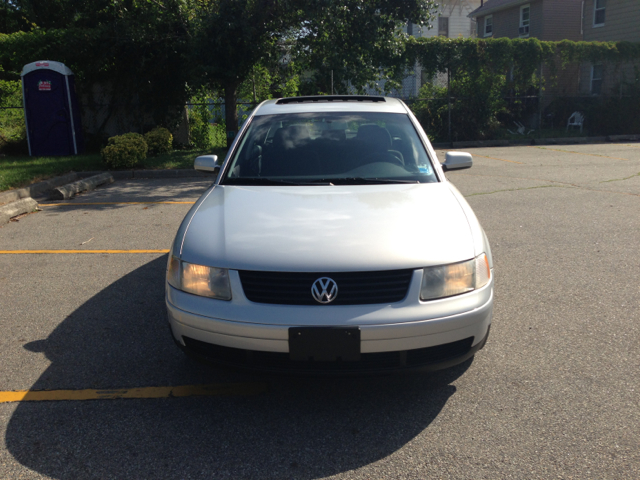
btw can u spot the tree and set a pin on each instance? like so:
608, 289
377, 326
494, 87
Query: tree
136, 51
358, 39
150, 54
11, 18
355, 43
234, 36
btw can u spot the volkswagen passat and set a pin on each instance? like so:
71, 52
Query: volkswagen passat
331, 241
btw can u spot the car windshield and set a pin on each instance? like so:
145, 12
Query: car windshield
330, 149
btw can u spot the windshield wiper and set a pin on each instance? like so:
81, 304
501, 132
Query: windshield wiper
375, 181
270, 181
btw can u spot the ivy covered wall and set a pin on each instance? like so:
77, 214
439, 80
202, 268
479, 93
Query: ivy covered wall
495, 85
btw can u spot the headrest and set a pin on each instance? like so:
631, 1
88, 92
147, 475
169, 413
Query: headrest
291, 137
335, 135
374, 136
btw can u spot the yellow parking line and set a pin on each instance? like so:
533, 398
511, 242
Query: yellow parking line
579, 153
26, 252
144, 392
113, 203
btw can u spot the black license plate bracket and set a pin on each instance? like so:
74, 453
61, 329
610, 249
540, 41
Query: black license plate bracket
324, 344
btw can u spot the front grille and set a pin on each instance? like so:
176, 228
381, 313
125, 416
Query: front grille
280, 362
354, 288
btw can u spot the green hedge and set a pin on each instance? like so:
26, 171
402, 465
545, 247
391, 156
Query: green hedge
125, 151
159, 140
13, 134
490, 81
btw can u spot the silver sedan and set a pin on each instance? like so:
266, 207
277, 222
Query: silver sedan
331, 241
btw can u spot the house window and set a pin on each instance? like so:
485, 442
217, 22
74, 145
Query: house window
488, 25
525, 13
409, 28
443, 26
596, 79
598, 13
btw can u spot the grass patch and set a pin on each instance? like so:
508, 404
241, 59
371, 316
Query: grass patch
20, 171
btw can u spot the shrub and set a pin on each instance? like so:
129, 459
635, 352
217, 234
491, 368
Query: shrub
13, 134
476, 103
219, 135
199, 127
125, 151
159, 141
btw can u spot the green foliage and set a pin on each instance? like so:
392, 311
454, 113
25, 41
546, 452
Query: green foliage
475, 105
358, 42
18, 171
136, 51
11, 18
13, 134
354, 38
200, 132
159, 140
125, 151
522, 56
205, 110
270, 81
494, 56
204, 135
484, 72
218, 135
149, 56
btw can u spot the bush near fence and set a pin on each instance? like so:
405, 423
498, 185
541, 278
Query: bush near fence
13, 134
159, 140
125, 151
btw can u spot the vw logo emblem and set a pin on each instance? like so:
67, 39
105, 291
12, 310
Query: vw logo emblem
324, 290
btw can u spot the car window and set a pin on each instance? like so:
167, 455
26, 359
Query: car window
335, 147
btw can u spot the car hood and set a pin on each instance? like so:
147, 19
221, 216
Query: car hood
328, 228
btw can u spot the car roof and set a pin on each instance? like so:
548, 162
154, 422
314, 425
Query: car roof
331, 103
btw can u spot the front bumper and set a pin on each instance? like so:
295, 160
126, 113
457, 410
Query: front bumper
410, 334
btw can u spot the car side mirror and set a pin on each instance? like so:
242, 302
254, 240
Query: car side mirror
207, 163
457, 161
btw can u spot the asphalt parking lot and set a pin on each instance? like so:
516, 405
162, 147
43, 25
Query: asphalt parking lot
555, 393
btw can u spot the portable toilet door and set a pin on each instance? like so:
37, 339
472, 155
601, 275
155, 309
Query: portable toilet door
52, 113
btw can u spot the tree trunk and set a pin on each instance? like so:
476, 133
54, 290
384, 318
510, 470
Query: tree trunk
231, 111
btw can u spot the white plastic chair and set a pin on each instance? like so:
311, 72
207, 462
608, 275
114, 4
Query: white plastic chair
521, 129
575, 120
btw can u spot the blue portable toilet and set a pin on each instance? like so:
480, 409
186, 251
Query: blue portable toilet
51, 110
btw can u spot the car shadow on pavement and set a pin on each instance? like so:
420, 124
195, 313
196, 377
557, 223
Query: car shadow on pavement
300, 428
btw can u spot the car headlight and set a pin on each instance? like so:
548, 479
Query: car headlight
448, 280
198, 279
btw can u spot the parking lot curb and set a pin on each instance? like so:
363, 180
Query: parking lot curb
37, 188
67, 191
41, 189
13, 209
623, 138
133, 174
482, 143
535, 141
